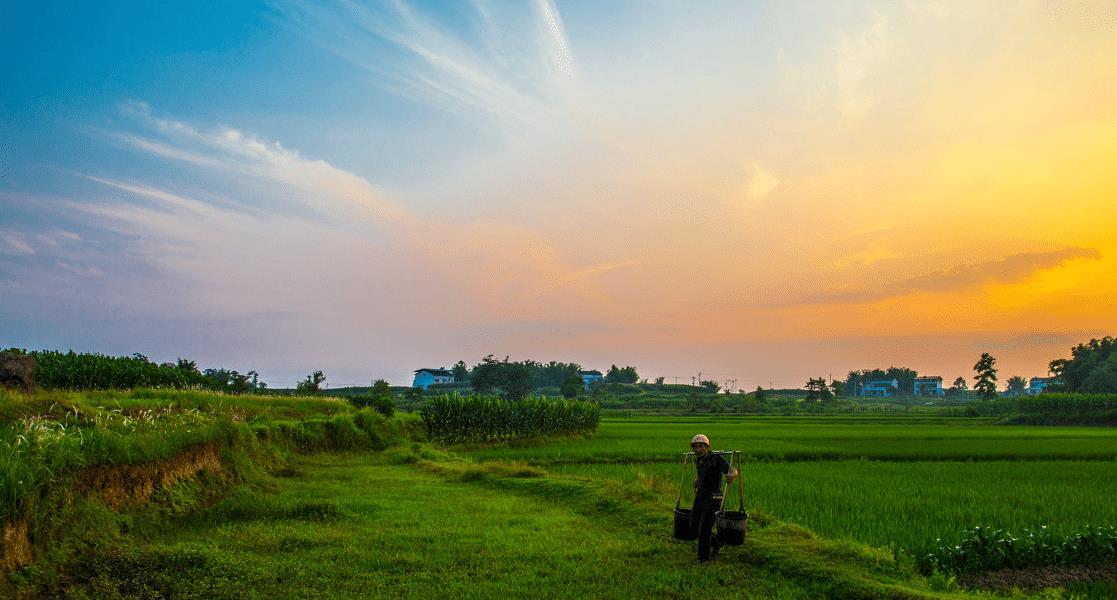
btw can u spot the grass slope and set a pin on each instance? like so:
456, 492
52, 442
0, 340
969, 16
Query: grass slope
359, 526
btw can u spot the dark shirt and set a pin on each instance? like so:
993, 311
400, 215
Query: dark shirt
710, 470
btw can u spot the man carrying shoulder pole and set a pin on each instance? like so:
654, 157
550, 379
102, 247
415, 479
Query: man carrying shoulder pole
707, 493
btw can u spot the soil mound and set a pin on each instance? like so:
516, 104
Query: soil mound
17, 371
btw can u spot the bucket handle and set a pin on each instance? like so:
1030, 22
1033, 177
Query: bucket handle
735, 459
682, 480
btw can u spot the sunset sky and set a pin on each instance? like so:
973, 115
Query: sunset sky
765, 191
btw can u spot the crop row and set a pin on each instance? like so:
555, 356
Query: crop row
988, 549
457, 419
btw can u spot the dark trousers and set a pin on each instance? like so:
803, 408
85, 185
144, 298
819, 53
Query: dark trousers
702, 518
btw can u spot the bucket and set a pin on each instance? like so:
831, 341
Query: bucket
683, 530
731, 527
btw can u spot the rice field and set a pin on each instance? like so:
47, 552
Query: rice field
901, 482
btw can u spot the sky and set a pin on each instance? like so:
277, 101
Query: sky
757, 191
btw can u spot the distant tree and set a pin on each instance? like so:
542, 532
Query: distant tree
573, 386
761, 396
985, 380
1016, 385
958, 389
1091, 368
818, 390
460, 371
625, 375
312, 384
383, 401
837, 388
659, 381
710, 386
511, 379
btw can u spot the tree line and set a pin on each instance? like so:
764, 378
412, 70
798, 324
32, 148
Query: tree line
515, 380
91, 371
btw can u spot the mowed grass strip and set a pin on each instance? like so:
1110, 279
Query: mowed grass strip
908, 504
792, 439
354, 527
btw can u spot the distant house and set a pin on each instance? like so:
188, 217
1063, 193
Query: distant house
884, 388
427, 377
1037, 385
588, 377
928, 386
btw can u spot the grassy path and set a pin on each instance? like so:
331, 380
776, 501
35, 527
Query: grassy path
355, 526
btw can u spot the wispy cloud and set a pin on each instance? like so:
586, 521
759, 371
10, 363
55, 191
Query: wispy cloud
438, 66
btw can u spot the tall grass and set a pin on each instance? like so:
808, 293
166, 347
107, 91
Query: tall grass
46, 434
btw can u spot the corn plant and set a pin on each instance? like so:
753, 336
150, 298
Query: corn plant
459, 419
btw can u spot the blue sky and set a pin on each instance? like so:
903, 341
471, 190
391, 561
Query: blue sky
734, 188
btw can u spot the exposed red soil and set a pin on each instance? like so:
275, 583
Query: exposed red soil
15, 547
118, 486
1039, 577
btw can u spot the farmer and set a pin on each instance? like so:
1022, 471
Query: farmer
707, 493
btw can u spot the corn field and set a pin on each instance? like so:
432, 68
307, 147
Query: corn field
455, 419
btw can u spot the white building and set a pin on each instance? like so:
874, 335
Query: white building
928, 386
427, 377
588, 377
1038, 385
884, 388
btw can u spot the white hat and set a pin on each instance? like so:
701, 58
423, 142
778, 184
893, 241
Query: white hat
700, 438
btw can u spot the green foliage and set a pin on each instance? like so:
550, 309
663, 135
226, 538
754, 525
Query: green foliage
511, 379
621, 375
458, 419
379, 398
73, 371
905, 378
818, 391
710, 386
573, 386
1016, 385
985, 377
1091, 368
460, 371
989, 549
312, 385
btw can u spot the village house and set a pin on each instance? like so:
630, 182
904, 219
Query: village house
928, 386
1037, 385
884, 388
427, 377
588, 377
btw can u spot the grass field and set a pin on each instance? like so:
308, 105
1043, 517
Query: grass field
316, 499
881, 481
648, 439
352, 526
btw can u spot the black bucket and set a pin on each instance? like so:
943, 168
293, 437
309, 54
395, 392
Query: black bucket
731, 527
683, 530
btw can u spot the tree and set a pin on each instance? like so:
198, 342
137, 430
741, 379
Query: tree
818, 390
625, 375
512, 379
959, 388
761, 396
1016, 385
312, 384
659, 381
460, 371
710, 386
1091, 368
836, 388
383, 401
985, 381
573, 386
